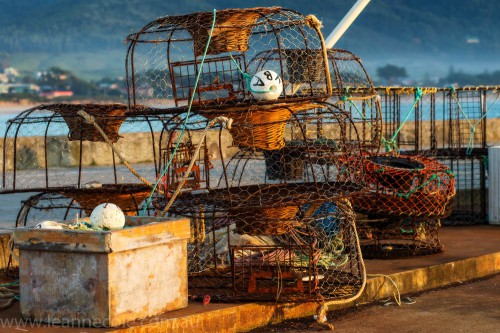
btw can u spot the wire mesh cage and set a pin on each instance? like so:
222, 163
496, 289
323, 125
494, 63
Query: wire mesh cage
213, 56
465, 113
52, 147
47, 206
79, 203
255, 195
321, 145
267, 196
353, 91
53, 150
470, 202
317, 259
410, 118
393, 238
348, 73
406, 186
455, 126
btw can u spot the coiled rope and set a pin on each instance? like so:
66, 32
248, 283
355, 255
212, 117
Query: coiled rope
321, 319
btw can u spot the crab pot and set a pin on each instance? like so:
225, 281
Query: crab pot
231, 42
395, 172
103, 278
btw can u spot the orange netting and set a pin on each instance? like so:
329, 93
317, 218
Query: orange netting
410, 186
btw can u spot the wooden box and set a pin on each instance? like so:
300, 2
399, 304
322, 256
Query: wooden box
103, 278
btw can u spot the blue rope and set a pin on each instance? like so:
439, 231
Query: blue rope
184, 125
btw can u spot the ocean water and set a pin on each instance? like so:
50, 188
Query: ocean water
469, 109
38, 128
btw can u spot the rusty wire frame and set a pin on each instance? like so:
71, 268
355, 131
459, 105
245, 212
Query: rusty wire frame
250, 231
163, 57
267, 196
441, 127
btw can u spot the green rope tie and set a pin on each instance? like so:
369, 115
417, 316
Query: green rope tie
407, 195
184, 124
470, 144
346, 98
390, 145
10, 284
485, 162
248, 78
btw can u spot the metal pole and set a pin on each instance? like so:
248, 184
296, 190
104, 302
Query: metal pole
345, 23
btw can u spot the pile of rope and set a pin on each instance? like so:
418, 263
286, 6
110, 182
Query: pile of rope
9, 292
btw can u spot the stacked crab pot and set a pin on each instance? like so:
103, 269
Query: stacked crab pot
266, 195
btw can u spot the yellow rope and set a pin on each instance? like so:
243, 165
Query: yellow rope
10, 247
89, 119
10, 295
396, 294
361, 98
213, 122
314, 23
427, 90
218, 120
8, 303
408, 90
411, 90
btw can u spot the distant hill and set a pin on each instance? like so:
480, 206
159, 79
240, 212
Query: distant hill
87, 35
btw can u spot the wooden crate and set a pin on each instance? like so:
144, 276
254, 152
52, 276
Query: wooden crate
103, 278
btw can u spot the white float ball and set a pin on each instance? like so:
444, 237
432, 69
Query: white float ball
107, 215
266, 85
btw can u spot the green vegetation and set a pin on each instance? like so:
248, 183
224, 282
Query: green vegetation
466, 79
391, 74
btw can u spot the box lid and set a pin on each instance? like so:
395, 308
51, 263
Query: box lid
139, 232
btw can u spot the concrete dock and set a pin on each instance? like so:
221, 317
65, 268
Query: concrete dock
471, 252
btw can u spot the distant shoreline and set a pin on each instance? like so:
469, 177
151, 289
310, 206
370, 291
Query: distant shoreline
9, 107
13, 108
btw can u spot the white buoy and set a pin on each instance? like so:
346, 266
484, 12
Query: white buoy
266, 85
49, 225
107, 216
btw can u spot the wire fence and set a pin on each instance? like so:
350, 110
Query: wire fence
454, 126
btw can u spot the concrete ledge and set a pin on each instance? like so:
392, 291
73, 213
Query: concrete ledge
244, 317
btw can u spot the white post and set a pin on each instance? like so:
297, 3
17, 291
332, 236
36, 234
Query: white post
494, 185
345, 23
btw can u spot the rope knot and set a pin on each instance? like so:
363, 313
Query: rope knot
222, 121
313, 22
418, 93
